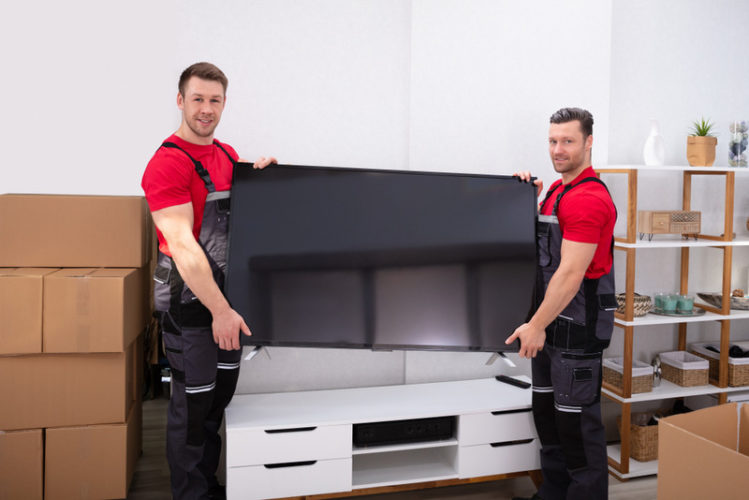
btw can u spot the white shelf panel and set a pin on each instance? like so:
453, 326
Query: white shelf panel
676, 168
636, 468
360, 450
676, 241
668, 390
354, 405
414, 466
657, 319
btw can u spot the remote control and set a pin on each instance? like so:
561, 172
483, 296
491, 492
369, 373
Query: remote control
513, 381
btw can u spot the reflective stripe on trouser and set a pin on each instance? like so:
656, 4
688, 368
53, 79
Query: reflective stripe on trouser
567, 413
203, 381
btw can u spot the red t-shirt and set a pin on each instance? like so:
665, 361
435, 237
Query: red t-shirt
586, 215
170, 179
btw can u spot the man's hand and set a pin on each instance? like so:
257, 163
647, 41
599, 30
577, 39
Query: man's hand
261, 162
531, 340
525, 176
226, 327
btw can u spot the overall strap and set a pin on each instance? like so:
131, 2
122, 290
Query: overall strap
570, 186
199, 168
548, 195
224, 150
588, 179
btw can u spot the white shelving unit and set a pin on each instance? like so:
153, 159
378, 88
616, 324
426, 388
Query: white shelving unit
620, 464
301, 443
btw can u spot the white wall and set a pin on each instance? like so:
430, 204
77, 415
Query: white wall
424, 84
87, 88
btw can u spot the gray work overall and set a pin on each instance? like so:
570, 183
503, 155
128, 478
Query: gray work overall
203, 375
567, 375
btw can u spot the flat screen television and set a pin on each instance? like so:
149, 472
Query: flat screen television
380, 259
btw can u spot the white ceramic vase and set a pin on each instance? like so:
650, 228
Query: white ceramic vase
654, 152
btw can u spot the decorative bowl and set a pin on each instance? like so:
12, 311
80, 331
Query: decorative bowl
714, 299
642, 304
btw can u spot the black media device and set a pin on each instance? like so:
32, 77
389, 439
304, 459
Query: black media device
380, 259
404, 431
513, 381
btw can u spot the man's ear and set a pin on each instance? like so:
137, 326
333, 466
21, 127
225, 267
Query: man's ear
589, 143
180, 100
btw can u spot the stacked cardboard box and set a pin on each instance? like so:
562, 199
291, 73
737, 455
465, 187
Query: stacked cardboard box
74, 300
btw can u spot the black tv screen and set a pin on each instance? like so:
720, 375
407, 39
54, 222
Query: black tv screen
380, 259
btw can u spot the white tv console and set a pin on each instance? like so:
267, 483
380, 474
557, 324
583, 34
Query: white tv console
300, 443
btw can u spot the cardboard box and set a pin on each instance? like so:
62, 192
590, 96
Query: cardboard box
62, 390
21, 291
74, 231
93, 310
21, 461
704, 454
92, 462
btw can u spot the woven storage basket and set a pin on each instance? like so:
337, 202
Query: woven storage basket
738, 368
642, 304
642, 374
643, 439
684, 369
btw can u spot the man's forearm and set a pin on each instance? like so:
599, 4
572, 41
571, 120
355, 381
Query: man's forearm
561, 290
196, 273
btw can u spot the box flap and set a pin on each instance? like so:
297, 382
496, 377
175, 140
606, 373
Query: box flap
73, 272
690, 466
109, 272
702, 423
744, 429
26, 272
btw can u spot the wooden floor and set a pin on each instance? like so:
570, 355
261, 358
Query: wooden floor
151, 479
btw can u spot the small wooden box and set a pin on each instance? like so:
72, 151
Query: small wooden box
668, 222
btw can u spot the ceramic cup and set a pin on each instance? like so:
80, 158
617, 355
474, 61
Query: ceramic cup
684, 304
666, 302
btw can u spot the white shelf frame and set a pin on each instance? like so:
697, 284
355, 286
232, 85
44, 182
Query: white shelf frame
620, 464
669, 390
636, 468
405, 467
674, 168
368, 450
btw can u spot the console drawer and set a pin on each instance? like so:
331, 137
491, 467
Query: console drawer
485, 428
286, 480
259, 446
504, 458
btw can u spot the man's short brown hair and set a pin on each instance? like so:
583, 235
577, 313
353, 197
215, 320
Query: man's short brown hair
205, 71
565, 115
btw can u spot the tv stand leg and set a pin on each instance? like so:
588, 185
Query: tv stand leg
257, 350
501, 356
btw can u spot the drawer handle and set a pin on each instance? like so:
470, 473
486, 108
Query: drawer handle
290, 464
507, 412
298, 429
511, 443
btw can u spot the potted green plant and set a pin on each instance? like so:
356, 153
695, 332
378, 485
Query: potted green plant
701, 144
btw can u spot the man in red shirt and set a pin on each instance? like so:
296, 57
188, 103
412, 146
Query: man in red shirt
573, 318
187, 185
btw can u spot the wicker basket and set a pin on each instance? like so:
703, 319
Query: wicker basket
643, 439
642, 304
642, 374
684, 369
738, 368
